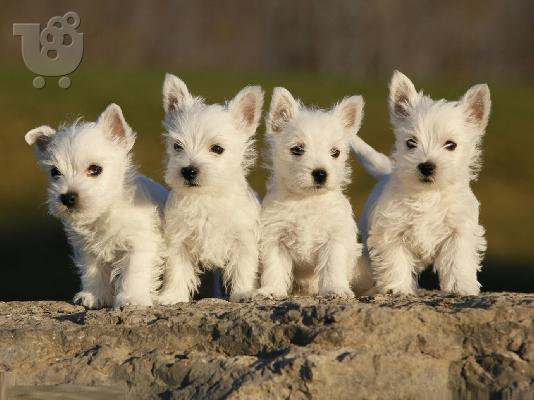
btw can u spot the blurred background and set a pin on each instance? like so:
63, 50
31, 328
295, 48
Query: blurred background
321, 51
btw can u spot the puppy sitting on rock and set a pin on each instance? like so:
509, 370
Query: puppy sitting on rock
309, 236
212, 215
423, 211
112, 215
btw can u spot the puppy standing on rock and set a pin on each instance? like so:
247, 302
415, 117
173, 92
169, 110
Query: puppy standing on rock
212, 215
423, 211
309, 237
110, 213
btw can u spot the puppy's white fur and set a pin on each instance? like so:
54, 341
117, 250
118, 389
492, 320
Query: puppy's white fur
309, 236
411, 222
115, 226
212, 220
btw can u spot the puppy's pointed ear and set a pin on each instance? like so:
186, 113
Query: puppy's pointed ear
245, 108
176, 96
350, 113
113, 123
477, 106
282, 110
402, 96
40, 138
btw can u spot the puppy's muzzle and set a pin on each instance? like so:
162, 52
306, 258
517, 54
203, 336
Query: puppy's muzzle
189, 173
319, 176
427, 169
69, 199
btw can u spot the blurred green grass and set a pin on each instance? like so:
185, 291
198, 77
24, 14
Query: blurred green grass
504, 188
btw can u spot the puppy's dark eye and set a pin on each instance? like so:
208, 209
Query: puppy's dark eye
94, 170
216, 149
335, 152
411, 143
55, 173
178, 147
297, 150
450, 145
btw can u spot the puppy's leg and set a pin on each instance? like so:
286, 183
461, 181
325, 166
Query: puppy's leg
277, 274
334, 271
137, 278
181, 279
393, 268
96, 286
458, 263
242, 271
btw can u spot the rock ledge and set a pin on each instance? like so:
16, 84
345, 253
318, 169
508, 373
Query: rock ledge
433, 346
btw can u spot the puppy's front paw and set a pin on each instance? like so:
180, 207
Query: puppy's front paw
237, 297
123, 299
337, 292
271, 293
88, 299
398, 291
168, 297
473, 290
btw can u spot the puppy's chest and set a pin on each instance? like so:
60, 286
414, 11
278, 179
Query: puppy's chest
209, 239
303, 244
306, 228
209, 231
422, 226
107, 246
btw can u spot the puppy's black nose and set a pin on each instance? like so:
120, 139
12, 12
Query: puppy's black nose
69, 199
427, 168
319, 176
189, 173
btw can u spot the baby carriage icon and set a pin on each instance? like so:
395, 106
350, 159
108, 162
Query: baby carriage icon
57, 50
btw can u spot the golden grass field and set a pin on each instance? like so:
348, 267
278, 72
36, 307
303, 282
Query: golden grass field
504, 188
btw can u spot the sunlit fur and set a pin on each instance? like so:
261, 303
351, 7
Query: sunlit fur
212, 222
115, 228
410, 222
309, 236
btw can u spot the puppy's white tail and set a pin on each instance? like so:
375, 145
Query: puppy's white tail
152, 190
376, 164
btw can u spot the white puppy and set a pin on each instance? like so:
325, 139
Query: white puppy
110, 213
423, 212
212, 215
309, 237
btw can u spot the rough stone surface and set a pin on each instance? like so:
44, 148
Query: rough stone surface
433, 346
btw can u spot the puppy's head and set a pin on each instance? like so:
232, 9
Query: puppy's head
309, 147
86, 162
437, 142
209, 147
